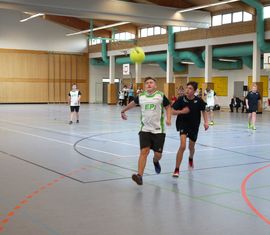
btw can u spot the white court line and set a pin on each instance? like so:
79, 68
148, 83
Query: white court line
59, 141
59, 132
108, 153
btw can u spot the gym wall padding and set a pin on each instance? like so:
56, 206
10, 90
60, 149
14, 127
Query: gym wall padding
41, 77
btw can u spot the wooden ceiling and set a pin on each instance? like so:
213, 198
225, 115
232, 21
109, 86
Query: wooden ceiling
79, 24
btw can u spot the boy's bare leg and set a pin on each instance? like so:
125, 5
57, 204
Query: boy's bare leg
181, 150
142, 160
191, 149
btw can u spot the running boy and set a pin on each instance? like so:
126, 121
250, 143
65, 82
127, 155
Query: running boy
188, 109
252, 99
152, 132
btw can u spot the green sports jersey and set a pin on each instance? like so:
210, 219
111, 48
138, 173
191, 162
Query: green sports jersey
152, 111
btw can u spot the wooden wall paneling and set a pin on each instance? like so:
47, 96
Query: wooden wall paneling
160, 83
51, 93
73, 69
62, 79
57, 77
180, 81
68, 73
31, 76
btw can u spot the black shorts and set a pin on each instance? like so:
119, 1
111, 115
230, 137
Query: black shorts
253, 108
192, 134
74, 108
154, 141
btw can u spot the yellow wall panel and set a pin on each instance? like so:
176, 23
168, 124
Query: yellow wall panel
220, 85
199, 80
264, 80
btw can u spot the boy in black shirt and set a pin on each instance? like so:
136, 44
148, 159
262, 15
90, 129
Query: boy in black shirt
188, 109
252, 99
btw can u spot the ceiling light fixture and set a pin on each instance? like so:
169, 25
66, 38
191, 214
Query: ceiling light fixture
187, 62
32, 16
208, 5
98, 28
228, 60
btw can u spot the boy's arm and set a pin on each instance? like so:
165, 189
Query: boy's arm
184, 110
168, 115
131, 105
205, 119
247, 102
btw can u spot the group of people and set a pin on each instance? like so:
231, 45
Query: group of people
126, 95
189, 108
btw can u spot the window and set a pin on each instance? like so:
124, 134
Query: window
144, 32
234, 17
247, 16
163, 31
266, 12
124, 36
176, 29
237, 17
157, 30
150, 31
184, 28
227, 18
95, 41
216, 20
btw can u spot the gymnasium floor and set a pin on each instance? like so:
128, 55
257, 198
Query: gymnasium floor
60, 179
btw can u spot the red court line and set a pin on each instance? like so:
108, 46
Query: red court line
25, 201
244, 194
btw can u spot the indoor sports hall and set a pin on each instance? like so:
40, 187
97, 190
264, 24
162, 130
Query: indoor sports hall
72, 71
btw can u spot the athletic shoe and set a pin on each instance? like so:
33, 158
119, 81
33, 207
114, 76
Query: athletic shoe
157, 166
211, 123
77, 121
70, 122
249, 126
190, 163
253, 128
137, 178
176, 173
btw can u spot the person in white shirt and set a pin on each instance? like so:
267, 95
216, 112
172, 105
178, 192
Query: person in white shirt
74, 97
153, 104
210, 99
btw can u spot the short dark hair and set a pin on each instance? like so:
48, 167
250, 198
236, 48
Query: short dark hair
193, 84
149, 78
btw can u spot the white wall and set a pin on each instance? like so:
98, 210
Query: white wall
37, 34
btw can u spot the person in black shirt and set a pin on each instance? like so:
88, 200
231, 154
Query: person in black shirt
235, 103
188, 109
252, 100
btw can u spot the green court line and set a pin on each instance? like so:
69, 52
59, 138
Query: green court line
203, 200
196, 198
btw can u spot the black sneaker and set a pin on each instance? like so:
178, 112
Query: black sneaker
137, 178
70, 122
157, 166
77, 121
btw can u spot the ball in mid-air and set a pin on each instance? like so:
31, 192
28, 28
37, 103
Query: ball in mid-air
137, 55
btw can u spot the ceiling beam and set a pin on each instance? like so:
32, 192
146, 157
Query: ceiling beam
77, 24
113, 10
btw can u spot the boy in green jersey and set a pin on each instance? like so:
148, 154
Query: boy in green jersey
152, 132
